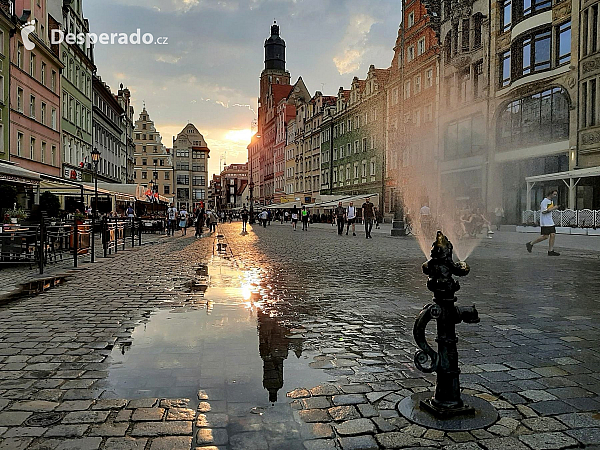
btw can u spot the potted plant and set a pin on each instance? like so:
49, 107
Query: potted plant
15, 214
79, 217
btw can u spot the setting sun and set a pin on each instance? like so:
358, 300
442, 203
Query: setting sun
239, 135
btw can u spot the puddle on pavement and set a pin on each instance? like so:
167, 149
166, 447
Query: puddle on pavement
220, 337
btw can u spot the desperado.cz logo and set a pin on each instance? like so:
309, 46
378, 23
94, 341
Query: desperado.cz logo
89, 39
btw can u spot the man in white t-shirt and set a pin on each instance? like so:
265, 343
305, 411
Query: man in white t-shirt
171, 220
351, 218
547, 223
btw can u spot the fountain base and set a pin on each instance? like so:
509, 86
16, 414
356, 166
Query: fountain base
475, 414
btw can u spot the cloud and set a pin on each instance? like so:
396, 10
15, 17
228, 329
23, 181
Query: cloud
208, 73
353, 44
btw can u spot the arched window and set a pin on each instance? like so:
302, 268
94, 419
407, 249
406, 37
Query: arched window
538, 118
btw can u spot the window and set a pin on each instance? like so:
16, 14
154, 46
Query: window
19, 143
43, 74
535, 52
364, 144
477, 30
144, 175
355, 146
144, 162
43, 152
372, 167
406, 90
43, 113
199, 194
421, 46
356, 173
540, 117
32, 65
563, 46
349, 149
429, 113
199, 180
364, 168
53, 81
167, 175
20, 55
411, 19
198, 154
531, 7
20, 100
53, 119
32, 148
53, 156
466, 34
428, 78
505, 68
166, 189
410, 53
417, 84
32, 107
465, 137
183, 179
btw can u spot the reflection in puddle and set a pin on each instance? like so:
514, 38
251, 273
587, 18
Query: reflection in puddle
212, 345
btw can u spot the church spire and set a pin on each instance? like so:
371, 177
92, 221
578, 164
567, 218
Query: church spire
275, 50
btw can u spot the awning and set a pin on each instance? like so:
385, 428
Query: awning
13, 173
578, 173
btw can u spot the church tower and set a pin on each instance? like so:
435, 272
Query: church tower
274, 71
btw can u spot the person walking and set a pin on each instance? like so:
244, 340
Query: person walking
351, 218
294, 217
304, 214
171, 220
340, 213
130, 212
548, 230
183, 216
199, 221
244, 219
368, 210
499, 213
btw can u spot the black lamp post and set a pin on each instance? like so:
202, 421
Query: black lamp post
252, 202
95, 160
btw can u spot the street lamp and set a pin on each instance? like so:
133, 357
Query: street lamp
252, 202
95, 161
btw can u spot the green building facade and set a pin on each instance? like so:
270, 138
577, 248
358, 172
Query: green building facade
76, 106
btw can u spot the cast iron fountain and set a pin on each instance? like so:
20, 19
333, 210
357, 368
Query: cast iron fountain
447, 409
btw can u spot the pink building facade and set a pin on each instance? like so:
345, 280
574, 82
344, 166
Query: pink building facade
34, 97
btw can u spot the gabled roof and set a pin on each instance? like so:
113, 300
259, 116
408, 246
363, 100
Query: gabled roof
280, 91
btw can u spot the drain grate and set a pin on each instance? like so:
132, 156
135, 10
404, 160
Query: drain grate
44, 419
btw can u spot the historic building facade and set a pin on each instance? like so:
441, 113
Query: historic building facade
533, 104
76, 92
6, 28
153, 161
107, 132
358, 159
190, 159
35, 86
127, 142
412, 110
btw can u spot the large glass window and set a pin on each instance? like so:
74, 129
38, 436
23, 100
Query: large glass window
534, 6
505, 16
465, 137
535, 52
564, 43
505, 68
539, 118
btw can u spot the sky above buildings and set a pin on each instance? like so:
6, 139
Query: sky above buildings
208, 71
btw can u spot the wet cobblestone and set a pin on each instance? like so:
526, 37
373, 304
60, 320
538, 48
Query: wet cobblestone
534, 355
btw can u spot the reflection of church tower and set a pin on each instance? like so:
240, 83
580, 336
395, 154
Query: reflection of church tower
273, 348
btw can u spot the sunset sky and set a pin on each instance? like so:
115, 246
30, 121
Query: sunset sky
208, 72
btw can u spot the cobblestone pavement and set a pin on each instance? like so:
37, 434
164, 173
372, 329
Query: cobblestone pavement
353, 302
13, 276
